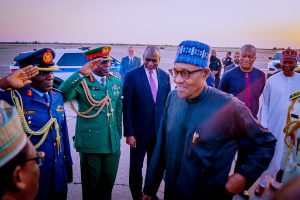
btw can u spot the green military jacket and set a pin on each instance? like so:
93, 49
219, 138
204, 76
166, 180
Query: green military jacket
98, 134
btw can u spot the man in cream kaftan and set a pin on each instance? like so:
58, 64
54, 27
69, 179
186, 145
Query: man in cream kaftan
274, 104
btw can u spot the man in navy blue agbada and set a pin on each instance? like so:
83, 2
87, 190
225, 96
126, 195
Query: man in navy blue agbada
200, 134
42, 114
245, 82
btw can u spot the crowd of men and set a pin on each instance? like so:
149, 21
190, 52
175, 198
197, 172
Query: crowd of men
190, 135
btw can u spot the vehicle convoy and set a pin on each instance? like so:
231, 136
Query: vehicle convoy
69, 61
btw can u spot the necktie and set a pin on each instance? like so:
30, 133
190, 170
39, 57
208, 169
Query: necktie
103, 81
46, 98
130, 61
152, 85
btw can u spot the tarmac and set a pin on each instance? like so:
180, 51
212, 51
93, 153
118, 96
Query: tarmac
121, 188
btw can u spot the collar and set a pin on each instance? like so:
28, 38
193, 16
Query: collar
38, 92
200, 97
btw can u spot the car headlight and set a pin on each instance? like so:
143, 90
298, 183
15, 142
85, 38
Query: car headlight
271, 69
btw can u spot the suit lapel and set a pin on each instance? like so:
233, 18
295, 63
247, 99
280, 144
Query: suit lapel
134, 61
37, 98
160, 83
128, 62
51, 97
109, 84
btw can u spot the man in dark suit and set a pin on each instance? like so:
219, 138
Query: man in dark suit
145, 91
129, 62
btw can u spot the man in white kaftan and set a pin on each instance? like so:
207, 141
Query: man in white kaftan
274, 103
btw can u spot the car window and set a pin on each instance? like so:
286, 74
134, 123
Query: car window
277, 56
114, 63
72, 59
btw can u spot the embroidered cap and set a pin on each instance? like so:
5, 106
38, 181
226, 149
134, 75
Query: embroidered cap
193, 52
12, 136
100, 52
42, 58
289, 53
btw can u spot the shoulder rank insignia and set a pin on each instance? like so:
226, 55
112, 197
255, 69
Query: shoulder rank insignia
54, 93
114, 75
91, 78
295, 95
29, 93
108, 76
55, 90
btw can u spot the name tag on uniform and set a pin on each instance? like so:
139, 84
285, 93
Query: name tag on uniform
95, 88
29, 112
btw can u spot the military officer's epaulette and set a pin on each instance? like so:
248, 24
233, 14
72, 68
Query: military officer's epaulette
113, 75
57, 90
90, 77
295, 95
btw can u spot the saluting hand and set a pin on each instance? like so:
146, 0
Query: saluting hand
89, 67
21, 77
131, 141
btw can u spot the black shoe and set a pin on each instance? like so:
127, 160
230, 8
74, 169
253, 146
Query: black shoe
245, 194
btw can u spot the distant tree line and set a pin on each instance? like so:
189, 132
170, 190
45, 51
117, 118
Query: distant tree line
17, 42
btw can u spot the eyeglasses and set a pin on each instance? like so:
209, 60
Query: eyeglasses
185, 74
154, 60
105, 61
39, 158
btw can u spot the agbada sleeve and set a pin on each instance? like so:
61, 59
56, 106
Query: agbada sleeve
263, 144
264, 102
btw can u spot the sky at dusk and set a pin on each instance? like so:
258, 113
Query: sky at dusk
223, 23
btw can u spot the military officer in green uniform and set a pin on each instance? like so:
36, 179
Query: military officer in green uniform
290, 160
99, 121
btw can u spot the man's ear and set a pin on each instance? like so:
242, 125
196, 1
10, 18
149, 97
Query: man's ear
206, 72
18, 178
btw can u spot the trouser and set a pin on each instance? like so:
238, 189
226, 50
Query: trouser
217, 81
137, 156
61, 195
52, 182
98, 174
